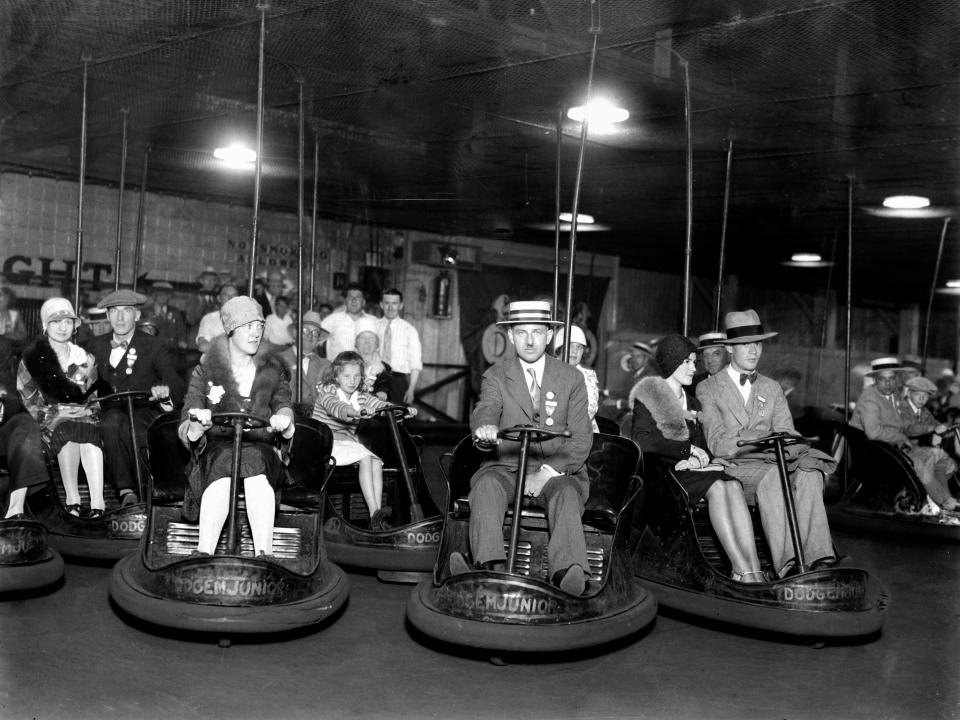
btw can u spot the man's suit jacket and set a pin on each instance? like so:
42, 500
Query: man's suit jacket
151, 366
726, 419
505, 402
879, 416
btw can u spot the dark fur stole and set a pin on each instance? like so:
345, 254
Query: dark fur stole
270, 373
41, 362
667, 413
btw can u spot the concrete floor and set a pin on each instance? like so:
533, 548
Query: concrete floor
68, 654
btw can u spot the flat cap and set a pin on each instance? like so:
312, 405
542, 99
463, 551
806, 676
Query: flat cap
122, 297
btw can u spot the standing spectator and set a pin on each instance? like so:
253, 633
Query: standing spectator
210, 324
341, 323
128, 359
11, 323
377, 373
578, 346
314, 364
713, 355
400, 348
277, 322
204, 299
169, 320
269, 292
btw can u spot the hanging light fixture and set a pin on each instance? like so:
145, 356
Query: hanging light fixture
236, 156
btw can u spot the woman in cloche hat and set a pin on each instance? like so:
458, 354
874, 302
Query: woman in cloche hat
55, 378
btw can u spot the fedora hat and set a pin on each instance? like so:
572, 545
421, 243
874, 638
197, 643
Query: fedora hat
743, 326
711, 339
884, 363
528, 311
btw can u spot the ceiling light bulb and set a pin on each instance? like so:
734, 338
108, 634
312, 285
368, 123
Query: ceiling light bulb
235, 155
601, 112
805, 258
906, 202
581, 218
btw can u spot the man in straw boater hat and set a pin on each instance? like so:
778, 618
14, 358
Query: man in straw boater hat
740, 404
532, 388
712, 353
884, 417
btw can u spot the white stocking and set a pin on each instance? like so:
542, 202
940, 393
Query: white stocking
92, 458
69, 461
261, 507
214, 507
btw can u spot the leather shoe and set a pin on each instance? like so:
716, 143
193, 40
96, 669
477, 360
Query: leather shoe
572, 580
823, 563
95, 514
494, 566
459, 564
128, 498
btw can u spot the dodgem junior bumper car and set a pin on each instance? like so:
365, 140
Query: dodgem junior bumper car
109, 537
884, 496
231, 591
404, 551
519, 610
679, 558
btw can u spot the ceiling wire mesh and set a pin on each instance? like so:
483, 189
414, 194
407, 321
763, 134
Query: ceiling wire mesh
442, 114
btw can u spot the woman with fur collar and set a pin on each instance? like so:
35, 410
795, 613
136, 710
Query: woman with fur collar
235, 374
666, 422
55, 379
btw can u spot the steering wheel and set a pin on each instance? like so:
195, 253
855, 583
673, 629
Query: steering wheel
785, 437
398, 411
248, 420
132, 394
516, 433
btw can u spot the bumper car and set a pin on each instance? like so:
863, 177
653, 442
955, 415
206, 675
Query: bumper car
27, 563
519, 610
406, 550
231, 591
107, 538
679, 558
884, 496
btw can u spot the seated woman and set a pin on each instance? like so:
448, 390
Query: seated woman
55, 379
236, 375
376, 379
340, 403
578, 345
665, 422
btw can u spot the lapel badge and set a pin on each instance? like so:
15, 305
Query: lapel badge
548, 421
550, 395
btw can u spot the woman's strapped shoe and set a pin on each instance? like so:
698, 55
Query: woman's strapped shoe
96, 514
749, 577
74, 509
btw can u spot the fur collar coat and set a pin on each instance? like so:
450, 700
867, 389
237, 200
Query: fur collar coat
72, 386
668, 414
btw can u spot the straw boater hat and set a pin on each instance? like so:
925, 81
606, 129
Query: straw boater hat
528, 311
885, 363
711, 339
743, 326
645, 347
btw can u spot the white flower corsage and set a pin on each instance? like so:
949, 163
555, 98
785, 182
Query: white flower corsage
131, 359
215, 393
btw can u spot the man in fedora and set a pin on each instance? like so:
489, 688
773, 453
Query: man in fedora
740, 404
884, 417
713, 355
130, 359
532, 388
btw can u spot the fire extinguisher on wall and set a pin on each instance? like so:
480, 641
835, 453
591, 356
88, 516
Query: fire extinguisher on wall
441, 295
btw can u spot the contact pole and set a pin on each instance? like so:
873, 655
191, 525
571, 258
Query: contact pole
847, 339
688, 246
123, 176
83, 171
575, 209
556, 220
933, 290
313, 223
301, 147
138, 248
255, 231
718, 295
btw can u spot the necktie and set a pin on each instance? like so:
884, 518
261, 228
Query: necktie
534, 389
752, 377
386, 342
119, 344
